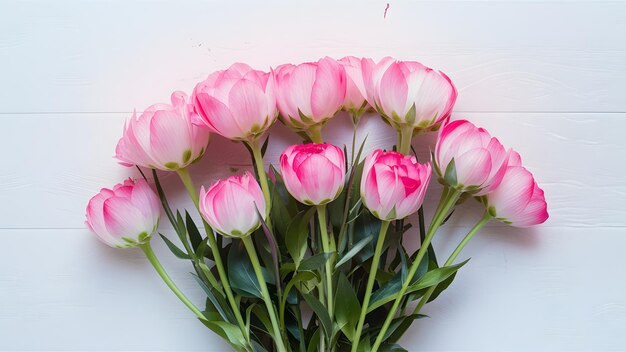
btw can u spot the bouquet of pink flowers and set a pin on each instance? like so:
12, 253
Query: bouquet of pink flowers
311, 257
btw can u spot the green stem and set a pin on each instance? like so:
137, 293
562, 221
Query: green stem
260, 168
315, 133
217, 257
479, 225
354, 129
247, 242
405, 136
370, 283
326, 246
450, 200
147, 249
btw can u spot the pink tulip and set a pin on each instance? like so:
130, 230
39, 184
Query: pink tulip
517, 200
407, 93
467, 158
238, 103
163, 137
355, 102
124, 216
232, 205
393, 185
314, 174
310, 93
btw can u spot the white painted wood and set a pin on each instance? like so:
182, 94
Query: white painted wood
546, 77
120, 55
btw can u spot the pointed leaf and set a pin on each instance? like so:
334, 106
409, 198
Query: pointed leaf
174, 249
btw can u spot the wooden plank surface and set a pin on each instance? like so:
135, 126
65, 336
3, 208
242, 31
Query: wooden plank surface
546, 77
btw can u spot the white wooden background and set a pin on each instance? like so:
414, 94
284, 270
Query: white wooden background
547, 77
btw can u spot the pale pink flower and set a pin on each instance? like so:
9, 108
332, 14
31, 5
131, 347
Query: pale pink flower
517, 200
467, 158
232, 205
163, 137
310, 93
355, 102
124, 216
407, 93
393, 185
313, 173
238, 103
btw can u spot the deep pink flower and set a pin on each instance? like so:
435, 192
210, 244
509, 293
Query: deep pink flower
163, 137
232, 205
238, 103
124, 216
310, 93
407, 93
314, 174
479, 159
518, 200
355, 102
393, 185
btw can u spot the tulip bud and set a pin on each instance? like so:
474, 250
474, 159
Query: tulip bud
238, 103
163, 137
393, 185
518, 200
408, 94
232, 205
125, 216
313, 173
467, 158
355, 102
310, 93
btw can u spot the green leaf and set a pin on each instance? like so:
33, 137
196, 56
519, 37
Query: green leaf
353, 251
300, 279
315, 262
391, 348
347, 307
218, 302
320, 311
450, 174
435, 276
227, 331
386, 293
314, 341
403, 322
192, 230
365, 226
241, 272
174, 249
402, 327
298, 234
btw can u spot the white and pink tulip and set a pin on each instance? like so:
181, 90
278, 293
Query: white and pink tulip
126, 215
467, 158
314, 174
393, 185
232, 206
163, 137
238, 103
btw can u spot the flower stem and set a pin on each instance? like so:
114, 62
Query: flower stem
260, 168
479, 225
147, 249
370, 283
326, 246
217, 258
449, 201
315, 133
405, 138
247, 242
